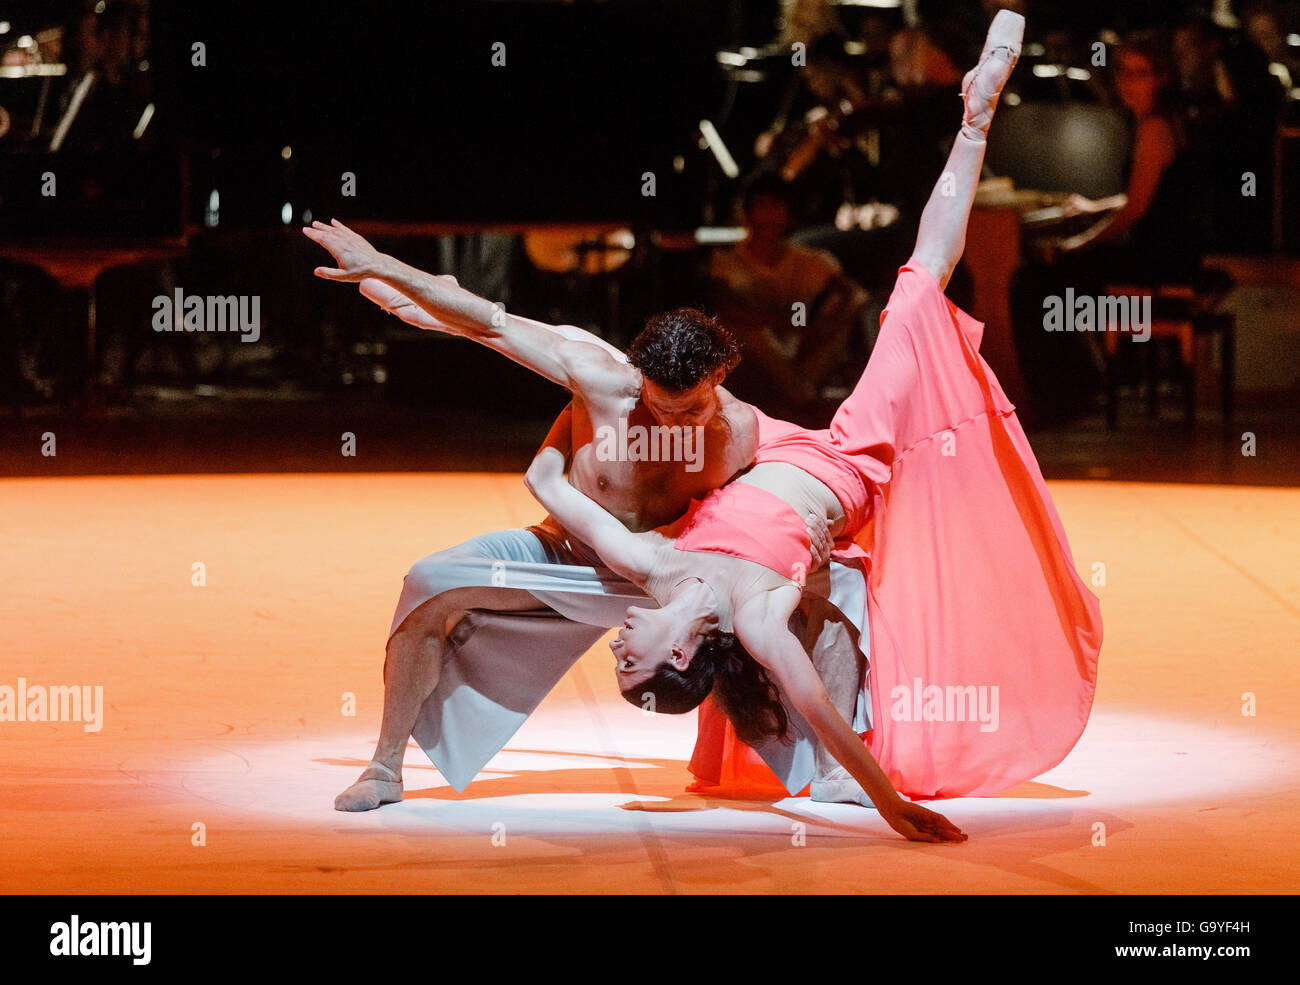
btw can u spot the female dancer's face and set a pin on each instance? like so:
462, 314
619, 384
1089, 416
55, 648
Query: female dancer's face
647, 639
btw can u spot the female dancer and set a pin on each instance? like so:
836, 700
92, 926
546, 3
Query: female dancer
925, 457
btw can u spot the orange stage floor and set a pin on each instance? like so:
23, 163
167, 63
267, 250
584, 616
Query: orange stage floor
224, 707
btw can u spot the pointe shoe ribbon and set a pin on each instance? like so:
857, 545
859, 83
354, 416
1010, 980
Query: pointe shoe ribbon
980, 89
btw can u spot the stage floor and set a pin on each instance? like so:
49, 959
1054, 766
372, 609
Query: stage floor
224, 719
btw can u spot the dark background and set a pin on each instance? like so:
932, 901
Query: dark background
405, 96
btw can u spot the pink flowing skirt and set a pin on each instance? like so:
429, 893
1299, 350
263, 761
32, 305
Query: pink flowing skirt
983, 637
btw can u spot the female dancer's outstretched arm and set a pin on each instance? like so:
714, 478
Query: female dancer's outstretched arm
762, 625
629, 554
942, 234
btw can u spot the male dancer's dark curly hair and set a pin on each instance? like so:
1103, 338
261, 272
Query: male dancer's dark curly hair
679, 349
739, 684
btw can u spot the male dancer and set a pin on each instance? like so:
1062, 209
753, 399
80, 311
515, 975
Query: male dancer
672, 379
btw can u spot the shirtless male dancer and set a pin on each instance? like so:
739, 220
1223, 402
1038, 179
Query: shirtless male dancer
672, 379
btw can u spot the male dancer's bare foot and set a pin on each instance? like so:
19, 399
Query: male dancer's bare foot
838, 787
983, 84
377, 786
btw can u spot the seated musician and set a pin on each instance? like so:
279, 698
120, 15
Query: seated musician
1155, 237
1138, 237
791, 306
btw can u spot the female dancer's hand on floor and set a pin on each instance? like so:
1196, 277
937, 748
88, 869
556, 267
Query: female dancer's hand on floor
917, 823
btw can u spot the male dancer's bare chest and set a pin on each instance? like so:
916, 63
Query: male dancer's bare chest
644, 474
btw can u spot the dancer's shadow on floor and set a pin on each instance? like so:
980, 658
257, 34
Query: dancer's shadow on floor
620, 774
996, 835
632, 775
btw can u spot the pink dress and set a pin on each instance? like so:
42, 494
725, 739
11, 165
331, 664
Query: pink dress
983, 637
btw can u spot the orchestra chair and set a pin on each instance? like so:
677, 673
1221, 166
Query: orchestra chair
1182, 314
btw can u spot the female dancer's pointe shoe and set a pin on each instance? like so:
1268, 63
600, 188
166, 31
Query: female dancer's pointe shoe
838, 787
370, 792
983, 84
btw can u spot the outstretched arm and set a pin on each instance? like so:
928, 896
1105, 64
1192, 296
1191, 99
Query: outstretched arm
577, 365
762, 625
393, 301
629, 554
942, 234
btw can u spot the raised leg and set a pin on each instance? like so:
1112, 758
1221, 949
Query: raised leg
942, 233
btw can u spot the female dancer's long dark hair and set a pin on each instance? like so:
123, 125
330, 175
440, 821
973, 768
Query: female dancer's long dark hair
738, 683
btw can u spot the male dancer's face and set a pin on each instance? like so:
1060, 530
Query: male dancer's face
687, 408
